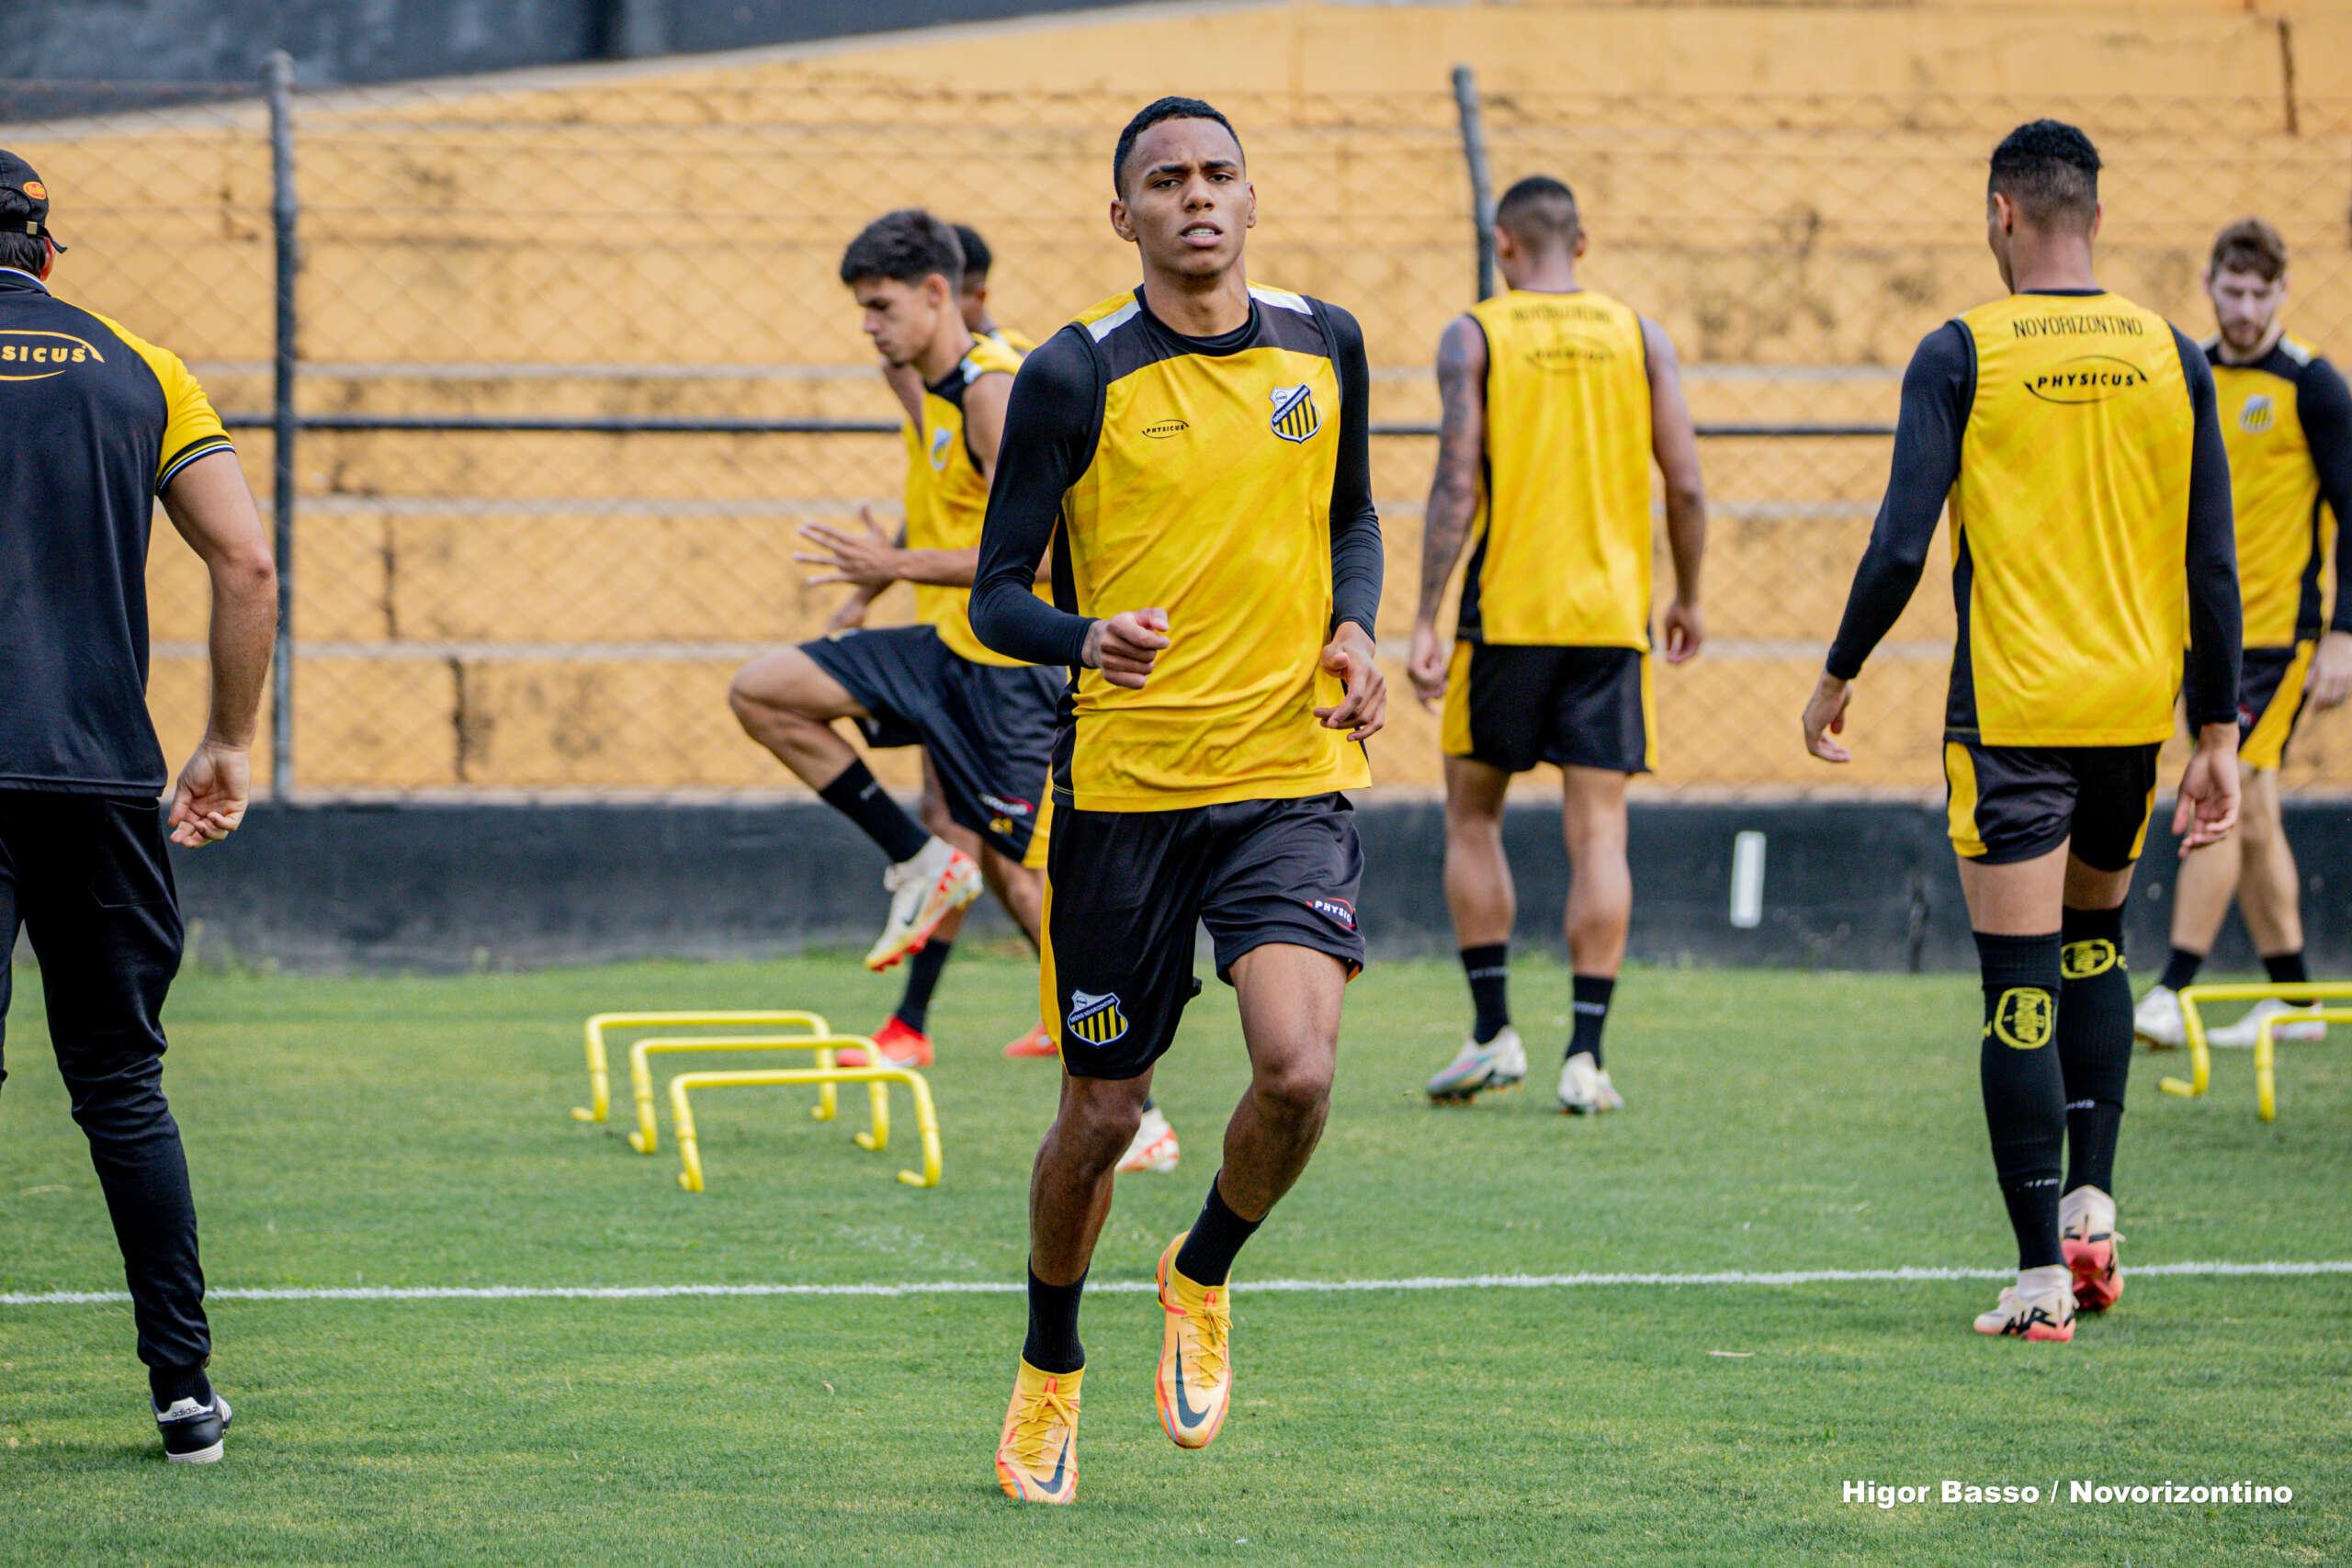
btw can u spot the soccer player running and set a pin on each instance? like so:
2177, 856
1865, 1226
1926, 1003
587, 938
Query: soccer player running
95, 426
985, 722
2073, 434
2287, 421
1556, 399
1196, 452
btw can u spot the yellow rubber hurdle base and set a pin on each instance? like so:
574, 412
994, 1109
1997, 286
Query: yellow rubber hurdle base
600, 1077
647, 1138
2200, 1055
878, 1073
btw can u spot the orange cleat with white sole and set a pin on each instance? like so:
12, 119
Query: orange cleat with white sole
902, 1047
940, 880
1195, 1381
1037, 1458
1154, 1146
1037, 1043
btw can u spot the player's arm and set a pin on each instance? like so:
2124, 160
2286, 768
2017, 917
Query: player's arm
1453, 492
1674, 442
2208, 801
1356, 562
2326, 409
1938, 388
1049, 441
208, 501
874, 558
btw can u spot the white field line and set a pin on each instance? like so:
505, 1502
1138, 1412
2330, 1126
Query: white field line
1135, 1287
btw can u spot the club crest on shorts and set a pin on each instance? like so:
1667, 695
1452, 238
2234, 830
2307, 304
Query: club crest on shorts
1295, 416
2023, 1019
1096, 1019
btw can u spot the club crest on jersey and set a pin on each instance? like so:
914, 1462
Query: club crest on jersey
2255, 418
2023, 1018
1295, 416
940, 439
1096, 1019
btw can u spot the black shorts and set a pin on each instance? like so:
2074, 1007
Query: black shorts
988, 727
2270, 699
2016, 803
1125, 889
1512, 707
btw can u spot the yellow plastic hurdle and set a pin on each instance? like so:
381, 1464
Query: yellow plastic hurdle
2200, 1055
600, 1077
648, 1136
681, 1114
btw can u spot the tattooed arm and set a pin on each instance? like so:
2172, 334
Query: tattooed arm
1453, 492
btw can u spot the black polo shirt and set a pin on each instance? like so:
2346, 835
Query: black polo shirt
94, 422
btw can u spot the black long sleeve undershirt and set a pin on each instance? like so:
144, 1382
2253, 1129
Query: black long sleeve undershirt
1938, 387
1049, 434
2324, 406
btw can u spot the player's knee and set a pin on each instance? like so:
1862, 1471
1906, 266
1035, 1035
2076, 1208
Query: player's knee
1298, 1089
762, 702
1099, 1127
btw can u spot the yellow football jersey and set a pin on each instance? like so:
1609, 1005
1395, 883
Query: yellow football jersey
946, 497
2070, 522
2286, 530
1207, 493
1560, 546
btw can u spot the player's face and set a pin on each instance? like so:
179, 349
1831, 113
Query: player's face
1187, 198
2245, 304
901, 318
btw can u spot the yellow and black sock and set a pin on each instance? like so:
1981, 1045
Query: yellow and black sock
1487, 968
2025, 1093
2094, 1043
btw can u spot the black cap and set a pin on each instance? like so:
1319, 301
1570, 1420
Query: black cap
20, 188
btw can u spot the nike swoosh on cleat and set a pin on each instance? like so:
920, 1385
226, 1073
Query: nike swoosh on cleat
1186, 1416
1054, 1483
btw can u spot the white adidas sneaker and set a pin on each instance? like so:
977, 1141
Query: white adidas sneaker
2156, 1023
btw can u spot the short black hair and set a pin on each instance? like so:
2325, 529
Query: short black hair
907, 245
977, 257
1151, 114
2050, 169
24, 252
1540, 212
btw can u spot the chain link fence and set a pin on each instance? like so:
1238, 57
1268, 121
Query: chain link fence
573, 366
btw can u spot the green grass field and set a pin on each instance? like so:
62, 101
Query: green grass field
414, 1132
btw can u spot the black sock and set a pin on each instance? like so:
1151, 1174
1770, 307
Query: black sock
1487, 969
1591, 993
1206, 1256
169, 1384
2181, 968
922, 975
2025, 1091
1052, 1346
859, 796
2094, 1043
2285, 968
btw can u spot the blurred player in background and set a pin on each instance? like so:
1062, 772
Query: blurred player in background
95, 425
2075, 435
1555, 399
1195, 454
2287, 420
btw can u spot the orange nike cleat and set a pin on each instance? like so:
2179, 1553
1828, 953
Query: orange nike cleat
902, 1047
1036, 1457
1037, 1043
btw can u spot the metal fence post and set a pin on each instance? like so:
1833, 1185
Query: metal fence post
1482, 187
277, 75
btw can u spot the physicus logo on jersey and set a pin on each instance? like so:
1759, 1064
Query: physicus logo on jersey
1162, 429
1570, 352
1295, 415
941, 440
1096, 1018
2085, 379
28, 355
2255, 418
